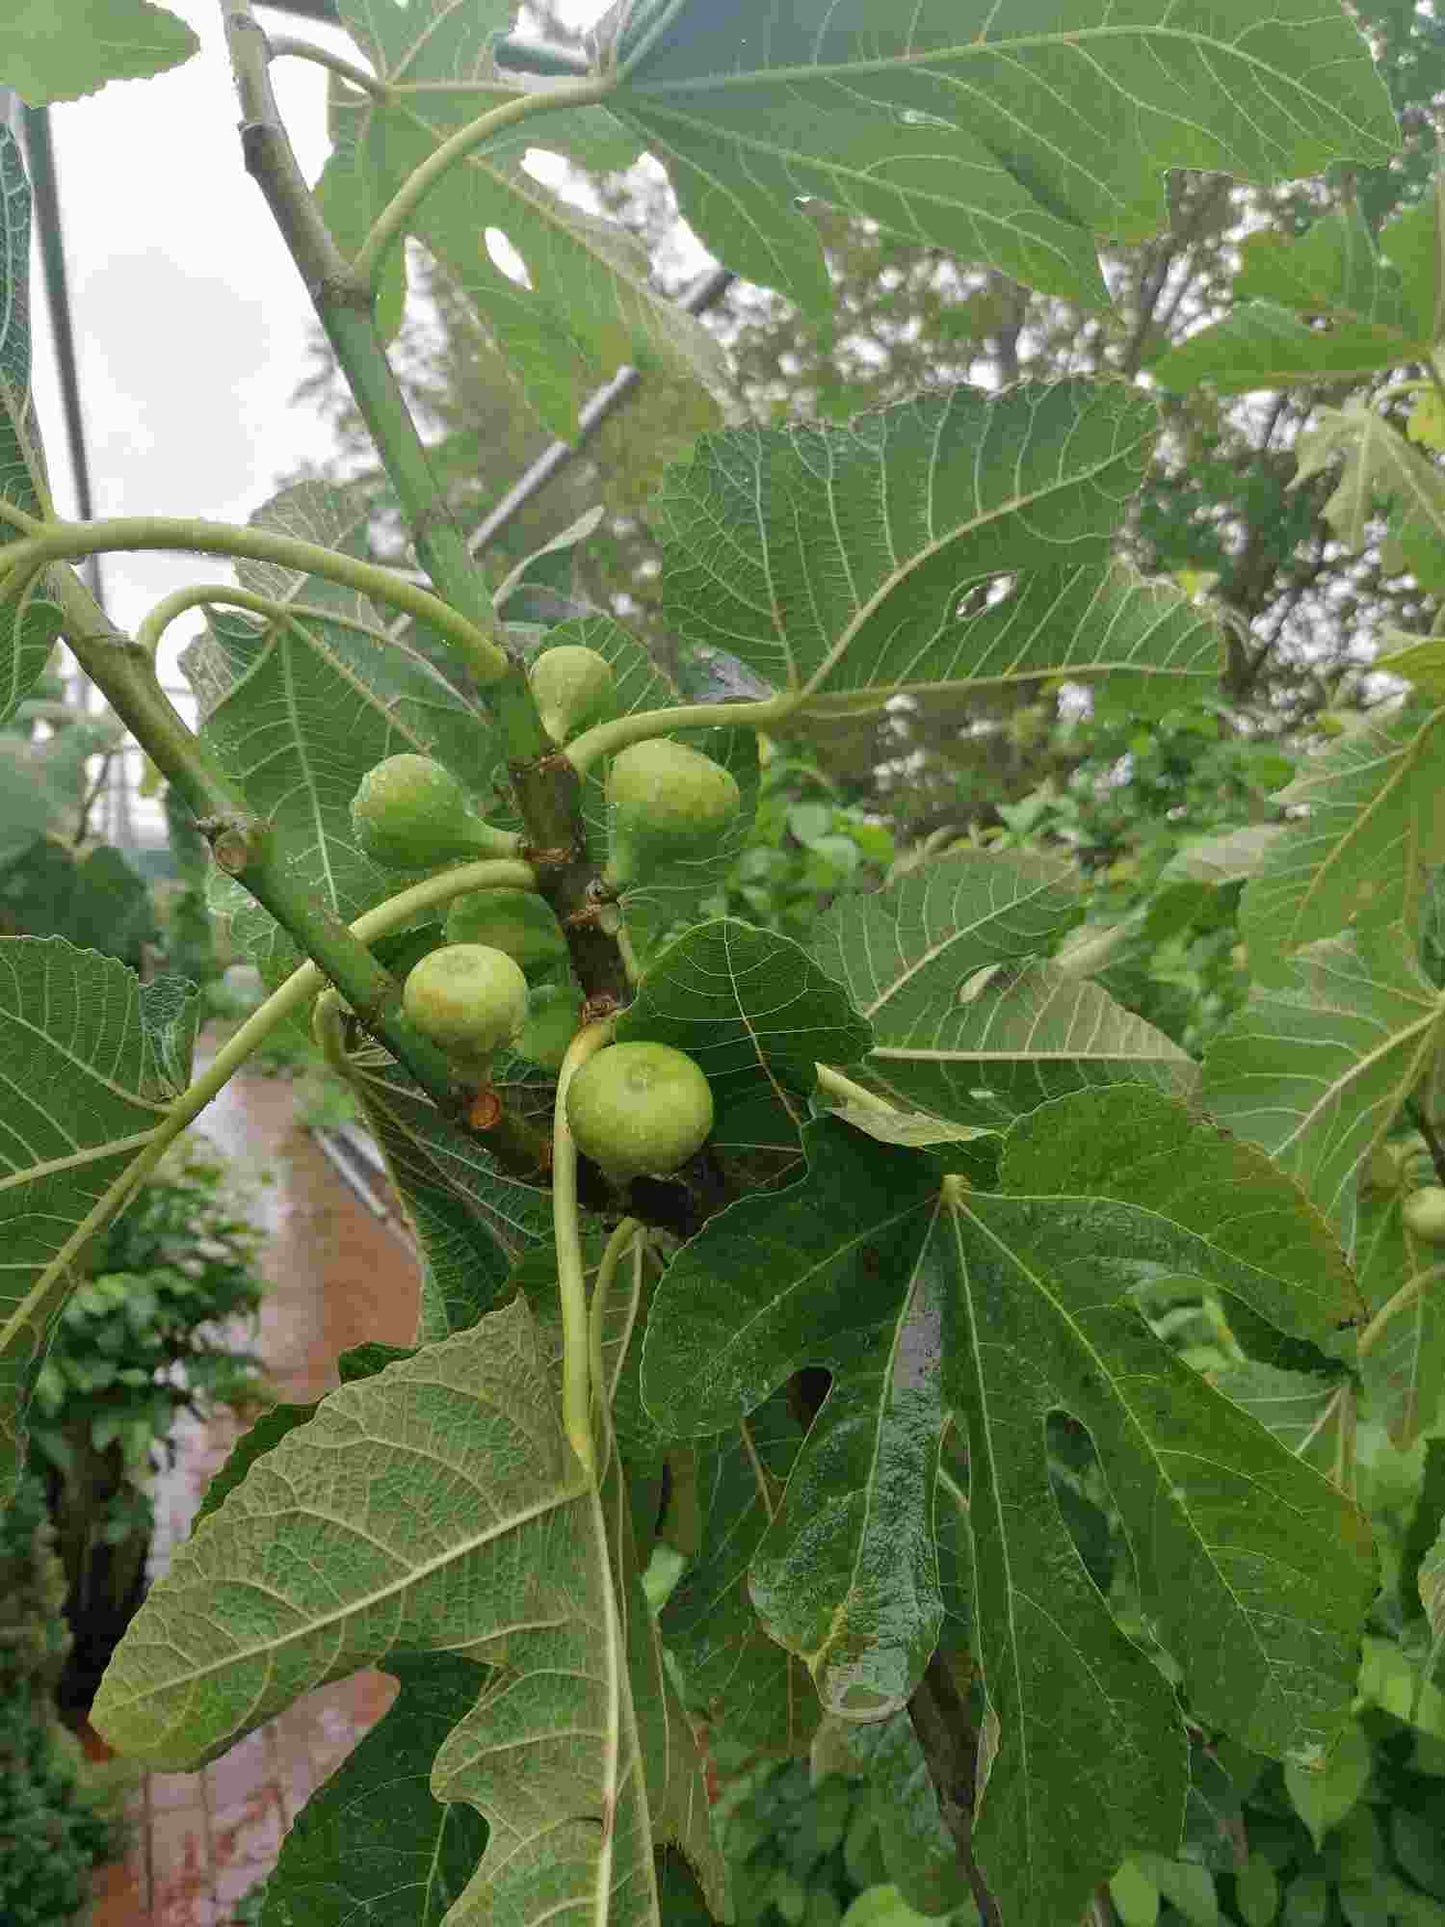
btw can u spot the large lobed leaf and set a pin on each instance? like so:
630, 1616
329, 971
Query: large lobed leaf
1377, 303
92, 1060
432, 1508
845, 562
1007, 136
1374, 828
926, 1301
967, 1020
585, 307
1317, 1068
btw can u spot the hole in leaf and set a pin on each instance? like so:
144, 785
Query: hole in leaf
505, 258
1081, 1493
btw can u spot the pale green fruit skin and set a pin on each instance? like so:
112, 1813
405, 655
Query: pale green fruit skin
639, 1108
552, 1021
467, 998
517, 921
1424, 1214
410, 813
573, 688
669, 799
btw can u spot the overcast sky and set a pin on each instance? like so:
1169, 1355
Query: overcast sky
191, 323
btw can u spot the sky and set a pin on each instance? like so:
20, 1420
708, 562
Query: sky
192, 326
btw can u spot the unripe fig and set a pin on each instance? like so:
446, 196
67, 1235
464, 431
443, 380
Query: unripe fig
668, 799
573, 688
411, 813
1424, 1214
517, 921
554, 1013
637, 1108
468, 998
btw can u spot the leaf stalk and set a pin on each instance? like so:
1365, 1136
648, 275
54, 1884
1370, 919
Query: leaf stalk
571, 1274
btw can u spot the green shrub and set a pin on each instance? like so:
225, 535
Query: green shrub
52, 1831
141, 1341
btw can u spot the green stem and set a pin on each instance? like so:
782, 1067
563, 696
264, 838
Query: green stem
605, 739
571, 1273
284, 46
19, 519
343, 301
1393, 1306
394, 219
837, 1085
207, 595
65, 541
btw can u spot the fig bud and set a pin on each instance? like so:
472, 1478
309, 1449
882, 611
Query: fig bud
517, 921
468, 999
573, 688
411, 813
639, 1108
668, 800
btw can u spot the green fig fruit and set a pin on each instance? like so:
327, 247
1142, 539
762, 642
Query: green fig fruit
1424, 1214
667, 800
573, 688
639, 1108
410, 813
517, 921
468, 999
553, 1016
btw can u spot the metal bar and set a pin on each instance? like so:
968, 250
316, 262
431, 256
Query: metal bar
40, 153
704, 293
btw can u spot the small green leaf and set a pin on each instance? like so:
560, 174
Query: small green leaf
1256, 1891
1323, 1795
1135, 1895
1185, 1885
61, 49
884, 1907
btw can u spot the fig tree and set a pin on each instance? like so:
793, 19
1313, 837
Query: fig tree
468, 998
411, 813
668, 800
517, 921
1424, 1214
554, 1012
573, 688
639, 1108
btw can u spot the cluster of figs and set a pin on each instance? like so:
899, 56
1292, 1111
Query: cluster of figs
1405, 1168
500, 978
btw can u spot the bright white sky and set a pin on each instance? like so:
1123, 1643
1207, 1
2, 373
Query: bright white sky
191, 322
